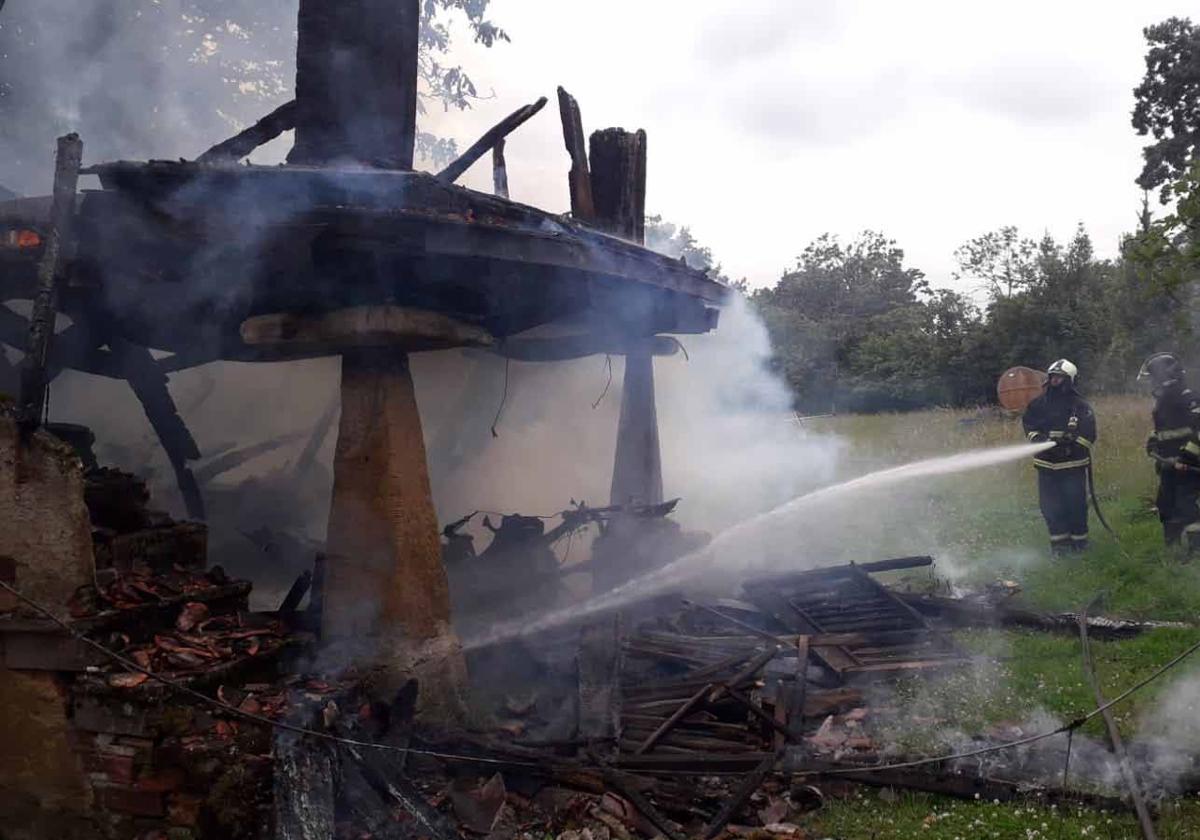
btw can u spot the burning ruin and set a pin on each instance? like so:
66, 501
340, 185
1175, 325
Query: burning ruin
142, 697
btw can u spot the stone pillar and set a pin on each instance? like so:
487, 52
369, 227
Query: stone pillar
618, 181
637, 466
386, 597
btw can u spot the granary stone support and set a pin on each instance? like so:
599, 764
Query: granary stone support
384, 578
618, 190
386, 596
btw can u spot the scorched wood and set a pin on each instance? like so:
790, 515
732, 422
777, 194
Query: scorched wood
495, 134
58, 247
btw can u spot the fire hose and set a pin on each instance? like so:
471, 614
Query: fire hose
1091, 482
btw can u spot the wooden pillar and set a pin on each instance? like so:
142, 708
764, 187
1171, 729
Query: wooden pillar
356, 82
618, 182
58, 247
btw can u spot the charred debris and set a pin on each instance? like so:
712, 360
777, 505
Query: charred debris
142, 698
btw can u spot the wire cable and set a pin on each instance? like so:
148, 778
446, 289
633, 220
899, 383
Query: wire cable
1021, 742
234, 710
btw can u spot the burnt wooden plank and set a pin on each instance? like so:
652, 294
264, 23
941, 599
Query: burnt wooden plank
58, 248
740, 797
499, 170
599, 678
244, 142
583, 207
618, 170
490, 138
356, 82
306, 778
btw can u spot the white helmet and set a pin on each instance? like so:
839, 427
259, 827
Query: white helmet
1063, 368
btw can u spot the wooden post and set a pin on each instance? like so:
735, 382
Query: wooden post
58, 245
356, 82
579, 180
499, 170
618, 176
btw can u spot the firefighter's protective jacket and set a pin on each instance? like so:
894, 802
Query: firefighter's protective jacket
1176, 426
1063, 416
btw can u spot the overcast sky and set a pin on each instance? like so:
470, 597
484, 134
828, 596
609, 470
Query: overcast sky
773, 121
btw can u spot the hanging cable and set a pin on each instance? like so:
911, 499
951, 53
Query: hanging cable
262, 720
607, 364
503, 399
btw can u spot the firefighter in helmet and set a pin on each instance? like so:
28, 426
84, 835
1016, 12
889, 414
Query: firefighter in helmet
1062, 416
1175, 447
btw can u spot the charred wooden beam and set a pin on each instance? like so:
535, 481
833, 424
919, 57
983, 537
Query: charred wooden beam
149, 385
579, 346
262, 132
308, 455
499, 170
1145, 821
398, 327
583, 207
232, 460
964, 613
799, 695
394, 788
896, 563
495, 134
618, 176
696, 763
295, 595
628, 787
959, 785
305, 779
57, 249
740, 797
356, 82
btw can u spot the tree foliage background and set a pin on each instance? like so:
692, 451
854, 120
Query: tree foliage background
169, 78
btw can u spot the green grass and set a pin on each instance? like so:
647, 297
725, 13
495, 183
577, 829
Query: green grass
983, 527
874, 816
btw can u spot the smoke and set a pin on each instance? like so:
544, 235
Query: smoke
766, 543
137, 79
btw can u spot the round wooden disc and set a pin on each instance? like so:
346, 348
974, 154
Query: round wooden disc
1018, 386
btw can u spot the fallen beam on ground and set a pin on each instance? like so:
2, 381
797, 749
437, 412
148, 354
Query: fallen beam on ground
740, 797
965, 613
1145, 822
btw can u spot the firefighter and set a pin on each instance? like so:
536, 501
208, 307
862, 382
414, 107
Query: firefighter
1061, 415
1175, 448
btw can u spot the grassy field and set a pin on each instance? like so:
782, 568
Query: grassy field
983, 527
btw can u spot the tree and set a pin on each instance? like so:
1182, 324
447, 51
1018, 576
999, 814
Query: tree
1001, 261
678, 243
161, 78
854, 328
1167, 106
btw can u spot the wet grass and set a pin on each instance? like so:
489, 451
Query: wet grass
985, 527
875, 815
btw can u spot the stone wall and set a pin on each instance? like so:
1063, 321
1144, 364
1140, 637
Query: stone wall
45, 533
